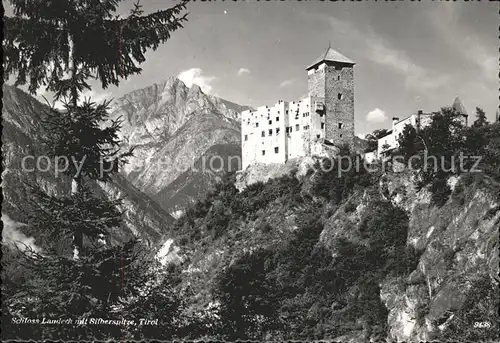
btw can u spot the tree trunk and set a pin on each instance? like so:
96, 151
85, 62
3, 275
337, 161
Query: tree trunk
76, 180
77, 235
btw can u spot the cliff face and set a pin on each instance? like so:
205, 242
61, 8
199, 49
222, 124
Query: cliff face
171, 126
458, 248
22, 136
459, 242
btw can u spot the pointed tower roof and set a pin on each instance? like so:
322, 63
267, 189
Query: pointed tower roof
331, 55
459, 107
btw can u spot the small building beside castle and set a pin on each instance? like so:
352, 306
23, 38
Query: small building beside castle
274, 134
418, 121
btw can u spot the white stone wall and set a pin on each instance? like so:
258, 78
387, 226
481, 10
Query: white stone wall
392, 139
298, 124
299, 128
418, 121
263, 134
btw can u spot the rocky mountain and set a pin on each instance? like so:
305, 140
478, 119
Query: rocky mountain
22, 135
199, 179
171, 127
384, 262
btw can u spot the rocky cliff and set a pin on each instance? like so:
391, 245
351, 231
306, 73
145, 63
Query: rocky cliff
22, 135
443, 290
171, 127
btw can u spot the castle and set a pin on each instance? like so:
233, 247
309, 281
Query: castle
274, 134
418, 121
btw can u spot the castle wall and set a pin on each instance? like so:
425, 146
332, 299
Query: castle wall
327, 113
299, 128
316, 81
263, 134
339, 82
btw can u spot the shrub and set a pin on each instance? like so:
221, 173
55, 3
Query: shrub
350, 207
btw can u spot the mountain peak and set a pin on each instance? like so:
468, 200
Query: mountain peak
195, 89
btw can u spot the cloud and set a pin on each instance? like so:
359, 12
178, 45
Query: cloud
445, 20
243, 71
378, 50
14, 237
195, 76
376, 116
97, 97
416, 77
287, 83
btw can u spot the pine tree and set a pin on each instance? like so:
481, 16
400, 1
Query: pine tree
481, 118
62, 45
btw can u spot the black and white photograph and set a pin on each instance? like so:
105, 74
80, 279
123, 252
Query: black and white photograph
183, 170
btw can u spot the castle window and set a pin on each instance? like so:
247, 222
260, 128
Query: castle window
339, 96
340, 135
338, 78
317, 136
297, 127
340, 125
246, 137
322, 125
270, 132
270, 122
256, 124
276, 150
263, 152
277, 118
278, 131
286, 111
263, 134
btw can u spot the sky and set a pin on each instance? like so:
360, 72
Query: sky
409, 55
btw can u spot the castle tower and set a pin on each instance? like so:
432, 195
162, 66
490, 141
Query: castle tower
331, 92
459, 107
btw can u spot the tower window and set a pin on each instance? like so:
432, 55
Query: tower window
246, 137
322, 125
256, 124
297, 127
317, 136
270, 122
263, 134
263, 152
276, 150
339, 96
340, 135
340, 125
277, 130
338, 77
277, 118
270, 132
